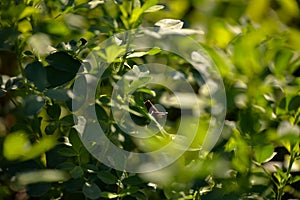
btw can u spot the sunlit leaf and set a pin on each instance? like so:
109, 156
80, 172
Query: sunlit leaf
264, 153
169, 24
114, 51
137, 12
155, 8
154, 51
294, 179
58, 28
109, 195
118, 2
24, 26
257, 9
17, 146
40, 43
47, 175
146, 90
45, 144
28, 11
94, 3
282, 60
137, 54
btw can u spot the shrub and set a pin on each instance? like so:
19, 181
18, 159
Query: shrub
52, 51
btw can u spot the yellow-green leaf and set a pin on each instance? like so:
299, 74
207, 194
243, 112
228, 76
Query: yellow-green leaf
15, 145
264, 153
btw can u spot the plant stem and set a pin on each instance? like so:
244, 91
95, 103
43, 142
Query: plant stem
286, 178
20, 64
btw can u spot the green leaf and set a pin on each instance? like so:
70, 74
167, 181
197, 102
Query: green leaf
43, 145
2, 93
74, 184
294, 104
40, 42
169, 24
57, 77
133, 180
282, 104
137, 54
280, 174
45, 175
50, 129
57, 94
33, 104
28, 11
91, 190
154, 51
137, 12
75, 140
114, 51
147, 91
15, 145
67, 151
109, 195
53, 111
282, 60
119, 2
94, 3
57, 28
79, 92
36, 73
107, 177
101, 113
129, 191
67, 120
84, 155
91, 168
66, 166
294, 179
154, 8
62, 61
264, 153
38, 189
76, 172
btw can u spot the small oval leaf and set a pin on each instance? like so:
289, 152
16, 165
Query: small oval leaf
107, 177
54, 111
169, 24
91, 190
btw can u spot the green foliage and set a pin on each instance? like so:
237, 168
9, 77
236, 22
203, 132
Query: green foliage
255, 45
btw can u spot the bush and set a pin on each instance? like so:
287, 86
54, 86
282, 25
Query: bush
78, 78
